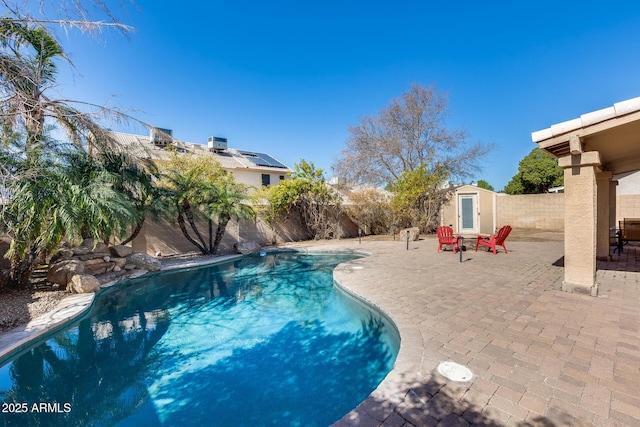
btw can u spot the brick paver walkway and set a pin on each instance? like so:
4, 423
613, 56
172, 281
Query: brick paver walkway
540, 357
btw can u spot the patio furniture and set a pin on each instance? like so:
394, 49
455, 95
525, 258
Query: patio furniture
496, 240
446, 237
629, 232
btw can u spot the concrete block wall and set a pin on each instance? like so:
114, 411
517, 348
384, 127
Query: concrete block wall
627, 206
166, 238
532, 211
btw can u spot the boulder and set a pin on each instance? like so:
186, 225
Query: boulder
81, 250
143, 262
248, 247
119, 262
94, 246
100, 268
414, 233
62, 271
92, 255
62, 254
120, 251
82, 284
94, 261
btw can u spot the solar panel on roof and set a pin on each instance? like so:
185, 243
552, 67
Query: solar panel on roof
262, 159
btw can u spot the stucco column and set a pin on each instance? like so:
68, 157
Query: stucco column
580, 221
603, 201
613, 201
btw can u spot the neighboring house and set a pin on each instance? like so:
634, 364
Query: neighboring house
252, 168
471, 210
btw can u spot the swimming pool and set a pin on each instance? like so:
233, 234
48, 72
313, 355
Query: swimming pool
257, 341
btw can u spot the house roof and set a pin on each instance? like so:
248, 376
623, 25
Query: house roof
614, 132
230, 159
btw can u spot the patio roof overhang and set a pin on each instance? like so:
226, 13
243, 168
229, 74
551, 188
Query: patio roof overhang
613, 132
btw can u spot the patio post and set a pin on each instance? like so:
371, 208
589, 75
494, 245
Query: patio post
603, 247
580, 221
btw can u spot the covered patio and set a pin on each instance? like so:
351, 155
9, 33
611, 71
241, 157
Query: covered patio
592, 149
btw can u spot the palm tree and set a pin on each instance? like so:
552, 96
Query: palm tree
69, 195
136, 179
58, 190
197, 186
229, 202
189, 182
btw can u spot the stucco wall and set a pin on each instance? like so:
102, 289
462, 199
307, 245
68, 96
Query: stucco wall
253, 178
532, 211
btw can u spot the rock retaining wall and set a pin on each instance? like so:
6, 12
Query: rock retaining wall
81, 269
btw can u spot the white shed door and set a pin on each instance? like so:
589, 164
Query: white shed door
468, 213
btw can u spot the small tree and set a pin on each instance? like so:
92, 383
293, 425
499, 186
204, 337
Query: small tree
370, 208
537, 172
196, 187
418, 198
307, 194
188, 183
230, 202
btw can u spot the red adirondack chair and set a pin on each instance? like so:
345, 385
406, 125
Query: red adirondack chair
496, 240
446, 237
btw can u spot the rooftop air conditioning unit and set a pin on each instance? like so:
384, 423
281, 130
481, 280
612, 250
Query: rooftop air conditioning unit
217, 143
161, 136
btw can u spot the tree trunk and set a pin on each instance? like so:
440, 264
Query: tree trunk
183, 227
211, 236
186, 208
135, 231
222, 225
21, 270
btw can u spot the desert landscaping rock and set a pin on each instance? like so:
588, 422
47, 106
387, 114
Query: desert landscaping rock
120, 251
119, 262
62, 271
144, 261
94, 246
83, 283
81, 250
414, 233
249, 247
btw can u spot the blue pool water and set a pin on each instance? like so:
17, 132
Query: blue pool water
258, 341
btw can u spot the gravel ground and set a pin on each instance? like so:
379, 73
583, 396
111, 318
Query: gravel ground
18, 307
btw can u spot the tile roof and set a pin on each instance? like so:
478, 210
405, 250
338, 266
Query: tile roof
229, 159
617, 110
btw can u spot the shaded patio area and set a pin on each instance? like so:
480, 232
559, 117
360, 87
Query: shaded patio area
540, 356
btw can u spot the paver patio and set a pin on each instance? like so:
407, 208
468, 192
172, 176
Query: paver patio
541, 357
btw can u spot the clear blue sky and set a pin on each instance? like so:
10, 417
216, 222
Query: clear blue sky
290, 77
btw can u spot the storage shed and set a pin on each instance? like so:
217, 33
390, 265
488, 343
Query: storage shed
470, 211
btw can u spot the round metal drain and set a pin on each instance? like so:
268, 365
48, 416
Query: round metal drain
454, 371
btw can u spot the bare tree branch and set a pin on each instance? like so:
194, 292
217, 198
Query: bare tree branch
409, 133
